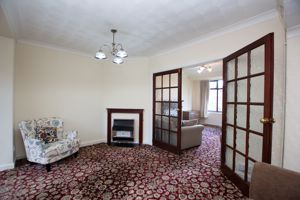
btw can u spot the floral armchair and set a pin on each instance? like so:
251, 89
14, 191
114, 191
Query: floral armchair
37, 151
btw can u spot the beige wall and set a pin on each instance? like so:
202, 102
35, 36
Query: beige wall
7, 48
292, 127
220, 46
78, 89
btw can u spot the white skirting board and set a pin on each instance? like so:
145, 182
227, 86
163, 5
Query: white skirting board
7, 166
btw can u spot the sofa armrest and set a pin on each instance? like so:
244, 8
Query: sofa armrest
73, 134
270, 182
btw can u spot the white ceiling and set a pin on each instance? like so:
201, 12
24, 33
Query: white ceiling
216, 73
145, 27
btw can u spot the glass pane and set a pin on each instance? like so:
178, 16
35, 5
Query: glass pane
242, 91
256, 113
174, 109
165, 136
166, 94
158, 95
158, 81
158, 108
157, 134
242, 65
166, 82
230, 70
220, 100
174, 124
230, 91
241, 116
212, 84
229, 158
173, 139
229, 136
165, 109
158, 121
230, 114
212, 101
258, 60
257, 95
250, 169
241, 140
240, 165
174, 94
220, 83
174, 80
165, 122
255, 146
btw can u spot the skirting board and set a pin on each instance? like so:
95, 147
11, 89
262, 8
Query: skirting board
82, 144
7, 166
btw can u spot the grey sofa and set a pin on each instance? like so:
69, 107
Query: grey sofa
273, 183
191, 136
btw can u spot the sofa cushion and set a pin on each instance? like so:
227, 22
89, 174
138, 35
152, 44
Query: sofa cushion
46, 134
191, 122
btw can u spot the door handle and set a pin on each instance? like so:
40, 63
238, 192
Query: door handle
267, 120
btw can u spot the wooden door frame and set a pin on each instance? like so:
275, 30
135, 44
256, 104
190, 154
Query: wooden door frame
159, 144
268, 41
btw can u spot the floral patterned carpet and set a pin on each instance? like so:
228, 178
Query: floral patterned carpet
108, 172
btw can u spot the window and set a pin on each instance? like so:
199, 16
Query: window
215, 96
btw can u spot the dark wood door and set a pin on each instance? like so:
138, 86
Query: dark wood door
167, 110
247, 110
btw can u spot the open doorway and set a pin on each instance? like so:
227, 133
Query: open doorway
202, 95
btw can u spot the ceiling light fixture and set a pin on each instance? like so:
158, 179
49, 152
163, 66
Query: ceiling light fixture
202, 68
116, 50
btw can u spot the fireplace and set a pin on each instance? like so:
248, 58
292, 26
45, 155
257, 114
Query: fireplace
111, 111
123, 130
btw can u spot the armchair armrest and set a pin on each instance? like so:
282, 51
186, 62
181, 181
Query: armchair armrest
34, 148
73, 134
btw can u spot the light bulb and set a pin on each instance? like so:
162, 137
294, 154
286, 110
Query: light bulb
121, 53
118, 60
100, 55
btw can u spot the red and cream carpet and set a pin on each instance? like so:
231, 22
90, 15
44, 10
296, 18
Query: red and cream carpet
146, 172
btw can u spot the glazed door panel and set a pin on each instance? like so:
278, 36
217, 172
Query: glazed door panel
248, 105
167, 110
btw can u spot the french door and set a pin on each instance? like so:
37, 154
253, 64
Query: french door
167, 110
247, 110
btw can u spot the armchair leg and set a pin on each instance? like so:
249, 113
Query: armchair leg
76, 154
48, 167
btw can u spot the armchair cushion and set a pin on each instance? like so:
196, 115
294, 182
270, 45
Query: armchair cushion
46, 134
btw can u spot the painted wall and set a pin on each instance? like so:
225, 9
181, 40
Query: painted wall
7, 48
292, 127
187, 92
51, 82
224, 43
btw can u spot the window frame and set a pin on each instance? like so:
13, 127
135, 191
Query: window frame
217, 88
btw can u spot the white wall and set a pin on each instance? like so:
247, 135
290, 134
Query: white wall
51, 82
196, 95
187, 92
221, 45
292, 127
7, 48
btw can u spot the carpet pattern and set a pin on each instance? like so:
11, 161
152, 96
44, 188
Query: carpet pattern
107, 172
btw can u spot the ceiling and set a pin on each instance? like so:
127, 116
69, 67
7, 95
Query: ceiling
144, 27
216, 73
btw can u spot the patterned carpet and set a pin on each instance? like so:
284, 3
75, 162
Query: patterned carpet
146, 172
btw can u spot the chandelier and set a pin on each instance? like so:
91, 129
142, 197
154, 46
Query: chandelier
202, 68
116, 50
